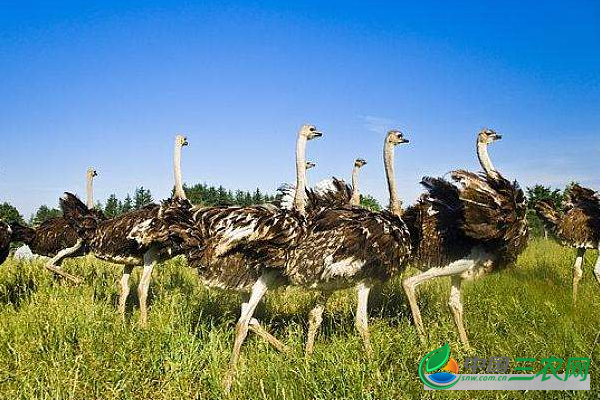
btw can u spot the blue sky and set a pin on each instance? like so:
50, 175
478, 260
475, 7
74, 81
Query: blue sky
108, 84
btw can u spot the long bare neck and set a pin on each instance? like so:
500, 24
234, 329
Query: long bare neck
179, 192
300, 194
388, 159
90, 191
484, 159
355, 199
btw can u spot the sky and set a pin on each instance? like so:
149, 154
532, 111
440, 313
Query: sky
109, 84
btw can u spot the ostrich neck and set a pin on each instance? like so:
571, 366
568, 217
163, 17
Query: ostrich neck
90, 192
484, 159
388, 159
179, 192
300, 194
355, 200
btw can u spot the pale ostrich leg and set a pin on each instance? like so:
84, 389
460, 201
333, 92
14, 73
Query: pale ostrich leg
577, 271
597, 267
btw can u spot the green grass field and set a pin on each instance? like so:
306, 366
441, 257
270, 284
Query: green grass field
63, 342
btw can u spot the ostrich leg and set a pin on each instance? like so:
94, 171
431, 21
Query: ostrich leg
362, 317
577, 271
150, 259
456, 307
124, 289
410, 285
315, 318
241, 330
257, 328
51, 265
597, 267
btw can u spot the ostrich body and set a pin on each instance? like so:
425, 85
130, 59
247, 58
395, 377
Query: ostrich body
5, 234
578, 226
467, 231
55, 237
111, 240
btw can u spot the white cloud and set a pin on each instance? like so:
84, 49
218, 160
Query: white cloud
375, 124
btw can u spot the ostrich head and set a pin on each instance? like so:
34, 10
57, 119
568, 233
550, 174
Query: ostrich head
181, 140
91, 173
488, 136
396, 137
310, 132
310, 165
359, 163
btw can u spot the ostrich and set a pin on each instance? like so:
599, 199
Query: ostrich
5, 233
467, 231
358, 164
349, 247
52, 236
315, 316
578, 226
327, 194
241, 249
110, 240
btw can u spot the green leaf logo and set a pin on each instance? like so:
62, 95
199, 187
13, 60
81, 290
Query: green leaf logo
438, 358
432, 362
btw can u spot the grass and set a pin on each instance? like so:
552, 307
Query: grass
63, 342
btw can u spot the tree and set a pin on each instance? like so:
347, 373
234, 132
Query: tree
224, 197
112, 208
257, 198
142, 197
540, 192
369, 202
127, 204
45, 213
536, 194
10, 214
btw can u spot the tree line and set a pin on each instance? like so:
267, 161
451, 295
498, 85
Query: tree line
208, 195
200, 194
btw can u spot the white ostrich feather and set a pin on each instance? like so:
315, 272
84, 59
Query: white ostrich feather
288, 191
325, 186
24, 253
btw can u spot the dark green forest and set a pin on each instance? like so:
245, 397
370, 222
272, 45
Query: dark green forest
208, 195
200, 194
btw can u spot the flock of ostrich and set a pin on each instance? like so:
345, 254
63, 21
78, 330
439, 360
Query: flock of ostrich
319, 238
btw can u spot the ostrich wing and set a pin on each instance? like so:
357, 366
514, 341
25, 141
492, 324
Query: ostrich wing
494, 211
328, 193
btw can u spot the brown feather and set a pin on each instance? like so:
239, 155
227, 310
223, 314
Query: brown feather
343, 246
579, 225
108, 239
47, 239
494, 214
435, 225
